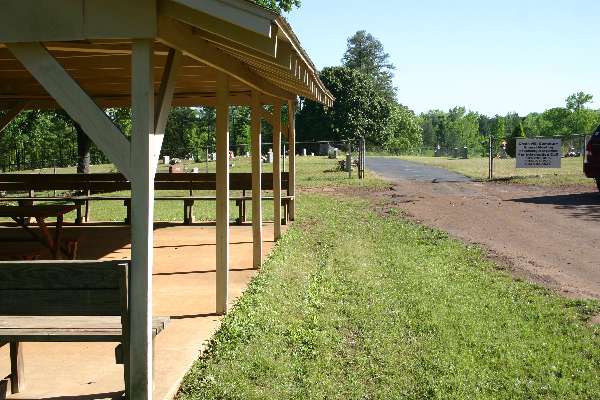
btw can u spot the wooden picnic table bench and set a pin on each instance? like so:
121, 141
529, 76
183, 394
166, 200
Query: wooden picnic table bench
86, 188
68, 301
22, 215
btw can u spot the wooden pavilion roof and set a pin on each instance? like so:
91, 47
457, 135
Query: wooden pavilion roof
258, 46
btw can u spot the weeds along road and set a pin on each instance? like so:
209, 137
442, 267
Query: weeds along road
547, 235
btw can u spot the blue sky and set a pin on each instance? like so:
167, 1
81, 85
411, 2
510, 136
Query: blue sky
489, 56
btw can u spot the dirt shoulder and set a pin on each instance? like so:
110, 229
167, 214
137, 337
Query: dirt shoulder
550, 236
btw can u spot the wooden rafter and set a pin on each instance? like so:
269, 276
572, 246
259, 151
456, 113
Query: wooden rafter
180, 36
75, 101
205, 22
11, 114
165, 98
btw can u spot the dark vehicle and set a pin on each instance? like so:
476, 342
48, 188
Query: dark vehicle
591, 167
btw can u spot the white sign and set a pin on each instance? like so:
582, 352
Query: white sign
539, 153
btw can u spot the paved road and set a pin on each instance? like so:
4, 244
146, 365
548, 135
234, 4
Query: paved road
394, 168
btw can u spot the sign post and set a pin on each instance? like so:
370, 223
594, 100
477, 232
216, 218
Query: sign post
539, 153
490, 157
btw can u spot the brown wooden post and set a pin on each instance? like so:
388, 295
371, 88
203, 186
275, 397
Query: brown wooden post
17, 379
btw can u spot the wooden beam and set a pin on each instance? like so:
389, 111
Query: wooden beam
255, 127
231, 15
222, 185
179, 36
233, 33
165, 99
277, 171
69, 95
282, 58
142, 232
11, 114
292, 158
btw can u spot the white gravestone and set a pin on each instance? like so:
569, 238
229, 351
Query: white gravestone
539, 153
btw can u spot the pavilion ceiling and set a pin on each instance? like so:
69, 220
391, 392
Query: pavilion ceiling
275, 64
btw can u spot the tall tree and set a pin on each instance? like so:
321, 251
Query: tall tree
577, 101
359, 110
365, 53
404, 134
582, 120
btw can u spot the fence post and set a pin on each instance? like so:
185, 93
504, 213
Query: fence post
207, 160
491, 159
363, 157
349, 159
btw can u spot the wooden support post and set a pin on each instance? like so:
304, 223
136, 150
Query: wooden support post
277, 171
17, 379
292, 161
222, 184
255, 123
142, 217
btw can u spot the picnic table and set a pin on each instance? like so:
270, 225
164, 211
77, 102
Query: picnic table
23, 214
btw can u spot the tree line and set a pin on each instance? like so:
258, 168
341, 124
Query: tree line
461, 128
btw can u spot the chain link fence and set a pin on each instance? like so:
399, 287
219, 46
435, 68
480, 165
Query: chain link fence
476, 162
199, 159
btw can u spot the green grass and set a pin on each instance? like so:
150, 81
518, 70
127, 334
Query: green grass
354, 304
571, 172
314, 172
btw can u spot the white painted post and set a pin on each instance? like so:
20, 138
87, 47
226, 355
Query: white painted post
222, 183
257, 241
142, 216
277, 171
292, 161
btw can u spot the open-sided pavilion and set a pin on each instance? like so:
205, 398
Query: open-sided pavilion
84, 56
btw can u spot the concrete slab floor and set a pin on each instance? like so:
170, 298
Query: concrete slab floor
184, 289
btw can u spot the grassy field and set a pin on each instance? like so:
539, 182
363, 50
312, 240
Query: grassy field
571, 172
359, 304
316, 172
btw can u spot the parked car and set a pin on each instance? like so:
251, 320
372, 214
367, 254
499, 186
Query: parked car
591, 167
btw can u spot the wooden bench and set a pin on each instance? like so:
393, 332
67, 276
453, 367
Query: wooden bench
85, 188
67, 301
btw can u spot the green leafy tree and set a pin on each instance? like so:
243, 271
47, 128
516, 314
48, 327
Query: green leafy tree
279, 5
404, 132
577, 101
511, 145
239, 128
366, 54
582, 120
359, 110
534, 124
556, 122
